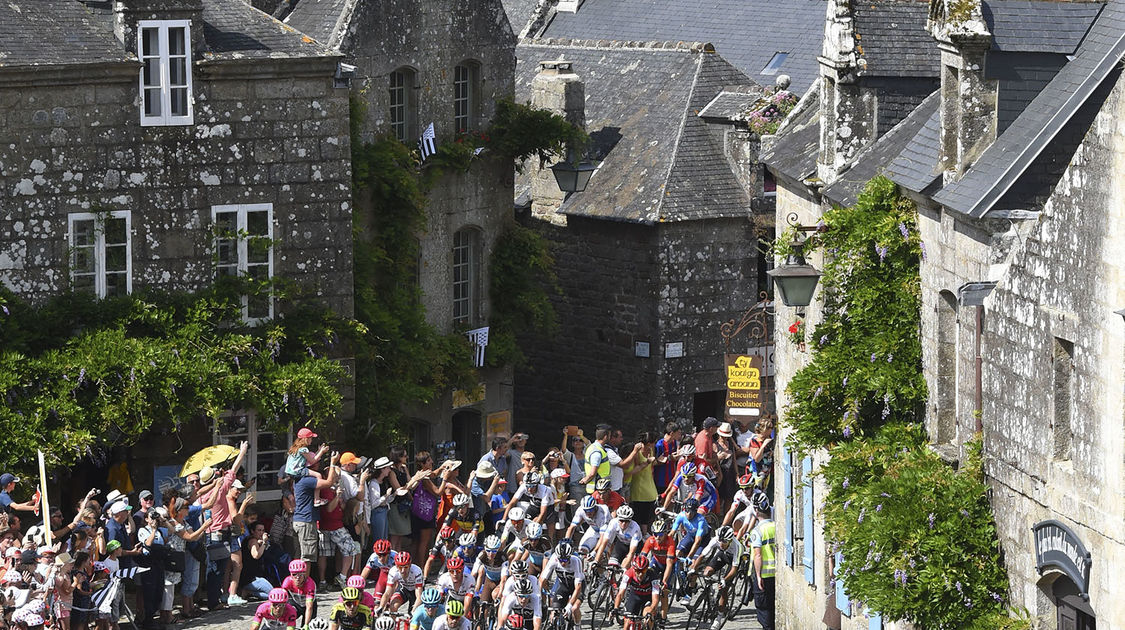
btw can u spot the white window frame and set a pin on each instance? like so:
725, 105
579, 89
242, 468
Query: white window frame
465, 97
471, 284
101, 287
405, 128
165, 118
242, 262
252, 436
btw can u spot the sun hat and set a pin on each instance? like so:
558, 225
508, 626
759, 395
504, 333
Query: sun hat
206, 474
725, 430
485, 470
63, 558
382, 462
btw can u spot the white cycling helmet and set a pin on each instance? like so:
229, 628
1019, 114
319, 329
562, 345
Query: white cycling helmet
625, 513
516, 514
461, 500
534, 530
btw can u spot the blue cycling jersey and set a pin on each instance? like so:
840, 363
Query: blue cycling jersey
422, 620
695, 525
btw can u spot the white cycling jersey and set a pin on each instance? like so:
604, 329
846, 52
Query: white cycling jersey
626, 531
572, 568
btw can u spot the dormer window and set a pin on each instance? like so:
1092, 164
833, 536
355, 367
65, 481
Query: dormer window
164, 47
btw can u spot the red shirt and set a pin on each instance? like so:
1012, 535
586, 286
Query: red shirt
704, 445
611, 499
330, 521
660, 550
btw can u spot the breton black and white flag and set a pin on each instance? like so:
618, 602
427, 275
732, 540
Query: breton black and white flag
427, 145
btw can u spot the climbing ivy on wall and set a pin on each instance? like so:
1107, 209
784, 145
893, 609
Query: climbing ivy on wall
78, 375
404, 361
917, 538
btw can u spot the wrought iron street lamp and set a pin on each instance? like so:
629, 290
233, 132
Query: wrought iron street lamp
573, 175
796, 279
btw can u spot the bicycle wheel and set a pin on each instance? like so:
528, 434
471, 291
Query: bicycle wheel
600, 605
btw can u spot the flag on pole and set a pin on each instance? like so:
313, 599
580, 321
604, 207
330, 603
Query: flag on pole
427, 144
41, 493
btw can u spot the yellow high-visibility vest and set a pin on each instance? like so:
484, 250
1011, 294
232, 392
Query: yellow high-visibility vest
603, 467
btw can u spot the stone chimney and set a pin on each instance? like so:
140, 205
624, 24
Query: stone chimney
557, 89
127, 13
847, 109
968, 99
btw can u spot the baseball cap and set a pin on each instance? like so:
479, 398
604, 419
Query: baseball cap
145, 494
306, 433
349, 458
113, 545
237, 484
119, 507
710, 422
8, 478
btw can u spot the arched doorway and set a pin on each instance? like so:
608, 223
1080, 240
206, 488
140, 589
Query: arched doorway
1064, 564
467, 434
1072, 610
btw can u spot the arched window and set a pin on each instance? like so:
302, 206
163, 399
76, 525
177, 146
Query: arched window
466, 276
946, 398
404, 105
466, 96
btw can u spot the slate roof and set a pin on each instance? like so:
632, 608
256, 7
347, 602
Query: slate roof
747, 33
1038, 25
728, 104
796, 145
54, 32
234, 29
519, 13
891, 37
875, 159
323, 20
1002, 163
916, 167
660, 161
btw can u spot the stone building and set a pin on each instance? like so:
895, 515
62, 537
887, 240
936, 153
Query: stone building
132, 130
660, 249
1012, 161
445, 62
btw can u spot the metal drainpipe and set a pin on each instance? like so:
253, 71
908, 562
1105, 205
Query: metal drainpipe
979, 397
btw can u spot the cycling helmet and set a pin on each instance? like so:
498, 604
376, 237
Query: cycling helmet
602, 485
725, 533
454, 608
688, 450
357, 581
350, 594
659, 526
533, 479
691, 505
431, 597
688, 470
624, 513
761, 502
298, 566
319, 624
403, 559
455, 564
589, 503
514, 622
461, 500
564, 549
492, 543
534, 530
447, 532
745, 481
523, 587
382, 546
640, 563
385, 623
516, 514
518, 567
279, 596
467, 539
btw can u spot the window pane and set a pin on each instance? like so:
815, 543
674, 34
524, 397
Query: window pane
83, 234
84, 283
257, 223
177, 71
150, 42
179, 102
152, 72
115, 232
116, 258
153, 106
115, 284
176, 41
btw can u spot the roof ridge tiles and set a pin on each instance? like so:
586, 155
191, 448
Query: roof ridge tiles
609, 44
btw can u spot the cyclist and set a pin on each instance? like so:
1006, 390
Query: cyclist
536, 498
720, 557
595, 517
404, 584
488, 569
642, 584
515, 528
357, 581
692, 526
523, 599
688, 484
535, 548
454, 618
301, 589
350, 614
609, 498
386, 622
621, 537
566, 568
516, 570
514, 622
467, 548
275, 614
428, 611
464, 518
741, 511
444, 549
660, 548
453, 583
379, 565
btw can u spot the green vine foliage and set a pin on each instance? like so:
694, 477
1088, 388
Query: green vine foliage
918, 541
866, 366
78, 374
521, 279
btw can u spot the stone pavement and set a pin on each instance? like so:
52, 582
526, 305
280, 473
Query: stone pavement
238, 617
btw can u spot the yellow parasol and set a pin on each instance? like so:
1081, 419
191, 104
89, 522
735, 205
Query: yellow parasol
209, 456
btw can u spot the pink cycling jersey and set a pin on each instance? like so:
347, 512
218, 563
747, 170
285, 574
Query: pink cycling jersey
268, 621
